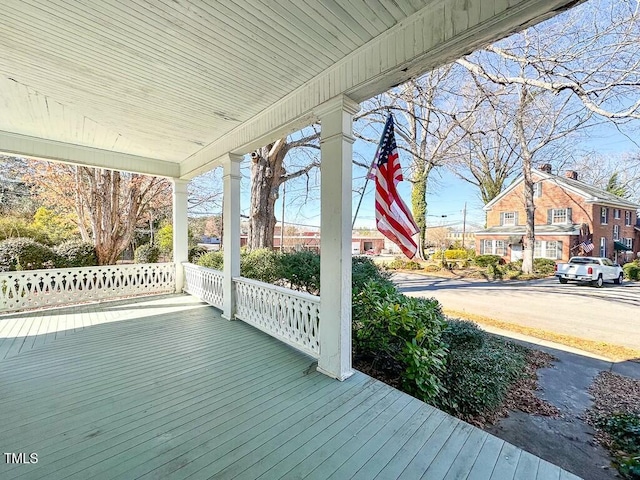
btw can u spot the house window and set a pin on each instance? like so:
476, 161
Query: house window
537, 249
628, 242
547, 249
537, 190
616, 213
616, 232
509, 218
603, 247
493, 247
627, 218
604, 215
559, 215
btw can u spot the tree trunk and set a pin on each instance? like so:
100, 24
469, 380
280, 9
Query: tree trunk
419, 207
267, 174
529, 238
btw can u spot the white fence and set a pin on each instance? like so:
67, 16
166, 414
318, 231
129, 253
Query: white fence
288, 315
61, 286
204, 283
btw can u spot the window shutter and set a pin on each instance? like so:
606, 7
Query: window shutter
549, 216
569, 216
501, 218
516, 218
559, 249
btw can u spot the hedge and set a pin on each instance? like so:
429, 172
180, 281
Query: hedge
25, 254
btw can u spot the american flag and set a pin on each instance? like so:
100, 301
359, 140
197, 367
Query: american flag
587, 246
393, 218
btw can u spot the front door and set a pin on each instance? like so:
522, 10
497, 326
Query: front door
516, 252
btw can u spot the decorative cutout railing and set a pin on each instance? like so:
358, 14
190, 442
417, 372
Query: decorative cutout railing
62, 286
204, 283
290, 316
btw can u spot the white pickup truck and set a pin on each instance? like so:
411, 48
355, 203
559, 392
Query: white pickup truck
593, 270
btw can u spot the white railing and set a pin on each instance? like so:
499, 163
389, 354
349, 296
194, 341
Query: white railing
290, 316
204, 283
62, 286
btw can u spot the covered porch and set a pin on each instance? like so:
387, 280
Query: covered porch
164, 387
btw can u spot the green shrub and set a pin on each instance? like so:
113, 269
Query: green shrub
458, 254
364, 269
486, 260
514, 266
632, 270
301, 270
213, 260
400, 263
480, 369
401, 332
544, 266
76, 253
261, 264
494, 271
624, 430
146, 253
25, 254
463, 335
432, 267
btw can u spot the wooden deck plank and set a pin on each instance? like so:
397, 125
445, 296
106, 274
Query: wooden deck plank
163, 387
467, 456
394, 443
429, 451
527, 468
505, 467
371, 448
341, 447
293, 446
401, 459
374, 392
487, 458
548, 471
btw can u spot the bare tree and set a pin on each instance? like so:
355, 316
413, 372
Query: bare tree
425, 132
107, 204
585, 62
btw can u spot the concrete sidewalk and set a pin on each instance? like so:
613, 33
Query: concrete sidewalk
566, 441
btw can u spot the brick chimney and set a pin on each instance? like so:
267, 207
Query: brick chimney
545, 167
572, 174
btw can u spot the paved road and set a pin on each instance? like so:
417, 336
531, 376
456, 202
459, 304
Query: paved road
610, 314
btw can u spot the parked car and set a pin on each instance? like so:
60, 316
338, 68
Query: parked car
592, 270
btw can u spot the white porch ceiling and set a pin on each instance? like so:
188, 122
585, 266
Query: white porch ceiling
168, 86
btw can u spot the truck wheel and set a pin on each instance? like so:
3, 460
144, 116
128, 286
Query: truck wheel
599, 282
563, 280
618, 280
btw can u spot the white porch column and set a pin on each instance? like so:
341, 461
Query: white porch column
180, 229
336, 150
231, 231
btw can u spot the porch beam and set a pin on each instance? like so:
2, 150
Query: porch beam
336, 151
231, 231
180, 229
40, 148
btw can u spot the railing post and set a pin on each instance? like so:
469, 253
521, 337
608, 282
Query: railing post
336, 150
231, 231
180, 229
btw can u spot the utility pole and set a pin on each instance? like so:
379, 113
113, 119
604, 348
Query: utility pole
284, 191
464, 222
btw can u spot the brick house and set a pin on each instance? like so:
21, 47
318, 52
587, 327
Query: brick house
568, 212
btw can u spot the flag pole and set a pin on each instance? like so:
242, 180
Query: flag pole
364, 190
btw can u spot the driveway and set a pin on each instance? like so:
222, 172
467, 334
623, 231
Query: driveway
610, 314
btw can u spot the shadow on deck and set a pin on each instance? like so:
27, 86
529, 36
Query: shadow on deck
163, 387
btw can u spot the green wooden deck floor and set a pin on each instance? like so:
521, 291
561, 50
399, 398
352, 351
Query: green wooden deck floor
162, 387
